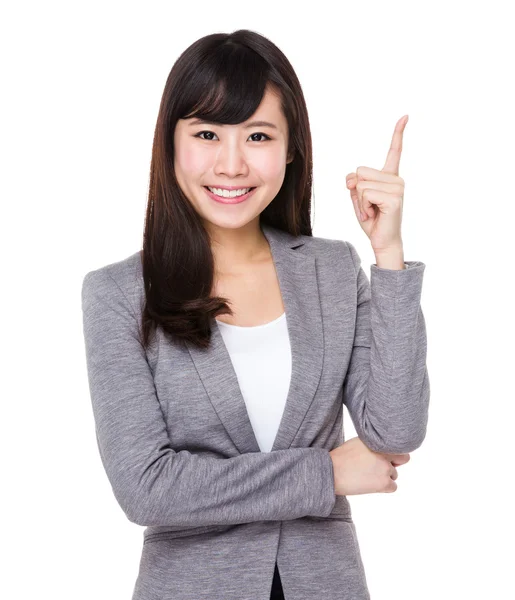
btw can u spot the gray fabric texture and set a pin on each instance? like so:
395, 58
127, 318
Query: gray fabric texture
179, 451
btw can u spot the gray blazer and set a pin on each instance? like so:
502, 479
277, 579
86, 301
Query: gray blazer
179, 450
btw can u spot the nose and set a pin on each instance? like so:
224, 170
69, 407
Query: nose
231, 160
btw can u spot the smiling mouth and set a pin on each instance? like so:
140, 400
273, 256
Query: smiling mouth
250, 189
230, 199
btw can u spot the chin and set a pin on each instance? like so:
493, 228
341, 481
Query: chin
230, 222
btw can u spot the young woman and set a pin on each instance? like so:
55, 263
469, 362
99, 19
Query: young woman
220, 355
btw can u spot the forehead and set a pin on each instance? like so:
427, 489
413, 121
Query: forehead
270, 102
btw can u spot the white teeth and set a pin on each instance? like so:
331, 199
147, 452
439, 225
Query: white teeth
227, 193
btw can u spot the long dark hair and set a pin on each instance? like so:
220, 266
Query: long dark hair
221, 78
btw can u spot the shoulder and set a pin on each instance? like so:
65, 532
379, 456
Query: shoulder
123, 277
333, 249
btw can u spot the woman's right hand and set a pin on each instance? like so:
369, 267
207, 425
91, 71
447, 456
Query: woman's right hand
359, 470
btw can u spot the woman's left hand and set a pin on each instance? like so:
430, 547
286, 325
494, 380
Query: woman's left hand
379, 195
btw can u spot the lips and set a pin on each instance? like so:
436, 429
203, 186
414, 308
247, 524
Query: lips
230, 190
227, 200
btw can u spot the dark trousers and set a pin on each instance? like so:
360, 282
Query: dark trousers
277, 588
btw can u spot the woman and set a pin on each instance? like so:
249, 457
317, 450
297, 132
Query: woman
220, 356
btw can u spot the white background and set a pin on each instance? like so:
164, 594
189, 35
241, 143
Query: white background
82, 84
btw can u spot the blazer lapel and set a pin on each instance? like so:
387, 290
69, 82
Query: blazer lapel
296, 271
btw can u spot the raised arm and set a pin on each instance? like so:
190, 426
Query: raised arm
153, 484
386, 389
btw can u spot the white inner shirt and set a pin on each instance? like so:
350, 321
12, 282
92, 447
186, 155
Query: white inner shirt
261, 357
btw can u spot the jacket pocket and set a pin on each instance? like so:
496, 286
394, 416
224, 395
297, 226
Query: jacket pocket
332, 517
167, 535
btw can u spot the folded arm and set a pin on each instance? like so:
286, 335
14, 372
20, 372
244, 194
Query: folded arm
153, 484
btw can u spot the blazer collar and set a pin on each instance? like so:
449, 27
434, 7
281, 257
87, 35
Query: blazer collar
296, 271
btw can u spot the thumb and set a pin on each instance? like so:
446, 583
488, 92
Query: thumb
351, 180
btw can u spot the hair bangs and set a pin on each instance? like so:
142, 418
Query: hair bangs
227, 87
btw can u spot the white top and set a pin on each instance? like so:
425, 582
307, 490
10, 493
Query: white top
261, 357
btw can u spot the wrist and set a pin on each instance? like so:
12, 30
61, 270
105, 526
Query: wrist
390, 258
392, 248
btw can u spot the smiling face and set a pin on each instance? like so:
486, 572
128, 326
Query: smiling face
233, 156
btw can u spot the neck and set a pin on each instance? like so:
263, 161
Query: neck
240, 247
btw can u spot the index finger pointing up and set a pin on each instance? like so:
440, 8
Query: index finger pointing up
394, 154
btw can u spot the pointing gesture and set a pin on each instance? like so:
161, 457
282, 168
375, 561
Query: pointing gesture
378, 196
394, 154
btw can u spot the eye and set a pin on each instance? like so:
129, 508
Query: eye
211, 133
263, 134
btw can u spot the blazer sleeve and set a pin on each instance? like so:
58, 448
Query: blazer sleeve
153, 484
386, 388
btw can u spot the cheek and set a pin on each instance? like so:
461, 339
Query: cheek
190, 161
270, 166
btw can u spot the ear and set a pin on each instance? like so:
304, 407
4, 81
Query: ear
290, 158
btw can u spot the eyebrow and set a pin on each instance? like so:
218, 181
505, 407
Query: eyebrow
247, 126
